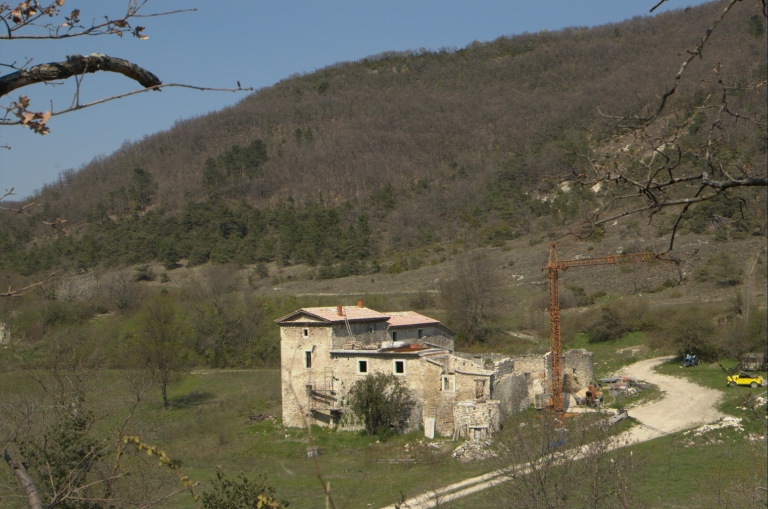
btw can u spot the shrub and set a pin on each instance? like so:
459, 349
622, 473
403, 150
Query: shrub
382, 402
721, 269
144, 273
619, 318
240, 494
610, 327
692, 331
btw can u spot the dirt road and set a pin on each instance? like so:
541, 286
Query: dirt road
684, 405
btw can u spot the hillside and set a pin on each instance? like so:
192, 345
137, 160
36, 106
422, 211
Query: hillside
386, 155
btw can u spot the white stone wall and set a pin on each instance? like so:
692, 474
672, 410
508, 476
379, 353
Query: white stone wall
295, 375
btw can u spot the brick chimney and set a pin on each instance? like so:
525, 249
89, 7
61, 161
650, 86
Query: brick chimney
359, 303
339, 311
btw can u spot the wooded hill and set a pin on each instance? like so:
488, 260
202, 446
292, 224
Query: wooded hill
390, 153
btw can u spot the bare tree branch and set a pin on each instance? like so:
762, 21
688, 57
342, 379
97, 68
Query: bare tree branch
30, 14
76, 65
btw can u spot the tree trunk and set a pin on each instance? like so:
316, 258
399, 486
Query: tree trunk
30, 489
164, 389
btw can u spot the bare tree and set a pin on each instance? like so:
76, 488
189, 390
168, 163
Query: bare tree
49, 440
578, 467
471, 298
685, 151
122, 291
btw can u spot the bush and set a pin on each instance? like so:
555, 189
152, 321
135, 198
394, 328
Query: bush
241, 494
382, 402
691, 330
721, 269
619, 318
144, 273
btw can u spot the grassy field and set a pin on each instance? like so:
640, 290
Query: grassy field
209, 425
680, 472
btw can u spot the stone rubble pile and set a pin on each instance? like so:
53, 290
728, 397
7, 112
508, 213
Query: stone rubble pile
725, 422
474, 450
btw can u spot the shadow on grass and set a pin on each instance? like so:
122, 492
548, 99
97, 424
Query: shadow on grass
194, 398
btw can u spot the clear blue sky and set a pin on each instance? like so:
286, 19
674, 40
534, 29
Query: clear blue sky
258, 42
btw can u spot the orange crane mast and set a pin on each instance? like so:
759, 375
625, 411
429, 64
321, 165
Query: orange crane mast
554, 265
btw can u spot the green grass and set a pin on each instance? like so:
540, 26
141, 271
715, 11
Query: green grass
706, 374
678, 473
610, 356
208, 425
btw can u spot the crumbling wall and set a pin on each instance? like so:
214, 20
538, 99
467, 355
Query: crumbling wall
534, 364
503, 367
476, 415
512, 393
578, 364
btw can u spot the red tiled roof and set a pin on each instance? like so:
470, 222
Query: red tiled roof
406, 318
413, 347
330, 314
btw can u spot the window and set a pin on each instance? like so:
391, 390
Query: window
421, 333
479, 389
448, 383
308, 359
394, 335
305, 333
362, 367
398, 367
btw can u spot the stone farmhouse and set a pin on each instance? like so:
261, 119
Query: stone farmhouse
325, 350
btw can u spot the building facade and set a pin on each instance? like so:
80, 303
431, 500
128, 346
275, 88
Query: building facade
325, 350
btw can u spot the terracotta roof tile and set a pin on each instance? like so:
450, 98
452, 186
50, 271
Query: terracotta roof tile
405, 318
330, 313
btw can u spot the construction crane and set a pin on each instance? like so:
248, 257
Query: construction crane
554, 265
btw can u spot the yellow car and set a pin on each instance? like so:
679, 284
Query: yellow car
745, 379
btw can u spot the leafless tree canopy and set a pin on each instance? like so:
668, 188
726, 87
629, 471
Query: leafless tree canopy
472, 298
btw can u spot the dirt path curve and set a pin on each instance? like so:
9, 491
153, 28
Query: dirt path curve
684, 405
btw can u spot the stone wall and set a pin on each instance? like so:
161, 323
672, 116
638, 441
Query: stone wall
294, 374
411, 334
439, 341
512, 393
478, 415
533, 363
503, 367
580, 365
363, 336
421, 377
